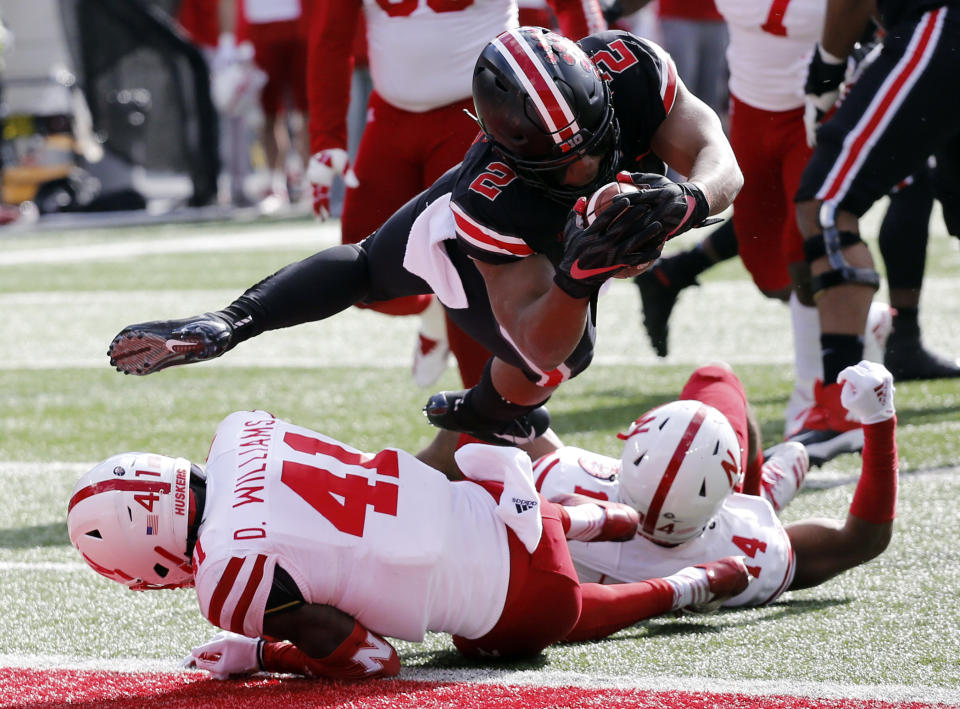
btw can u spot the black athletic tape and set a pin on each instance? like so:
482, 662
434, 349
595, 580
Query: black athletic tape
816, 247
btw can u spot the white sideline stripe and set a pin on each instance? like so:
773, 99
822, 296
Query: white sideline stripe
314, 236
827, 690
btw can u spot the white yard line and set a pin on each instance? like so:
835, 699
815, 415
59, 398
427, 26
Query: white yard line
307, 236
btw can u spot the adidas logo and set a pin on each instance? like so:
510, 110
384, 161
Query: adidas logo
524, 505
880, 391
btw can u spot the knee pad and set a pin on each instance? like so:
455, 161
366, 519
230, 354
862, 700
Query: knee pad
831, 244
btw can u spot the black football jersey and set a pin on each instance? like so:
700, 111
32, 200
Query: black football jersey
895, 11
500, 218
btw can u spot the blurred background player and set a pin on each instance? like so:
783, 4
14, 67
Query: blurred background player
673, 471
416, 128
277, 29
291, 534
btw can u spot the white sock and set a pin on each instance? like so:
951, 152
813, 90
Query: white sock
433, 323
805, 320
586, 521
690, 587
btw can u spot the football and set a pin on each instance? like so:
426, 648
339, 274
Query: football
602, 198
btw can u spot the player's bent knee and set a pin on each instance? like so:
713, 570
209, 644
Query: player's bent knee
831, 245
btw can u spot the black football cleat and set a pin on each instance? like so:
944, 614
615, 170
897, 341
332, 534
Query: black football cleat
151, 346
658, 295
910, 360
445, 410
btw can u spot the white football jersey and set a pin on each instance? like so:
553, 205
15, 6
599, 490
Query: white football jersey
770, 46
745, 525
382, 537
422, 58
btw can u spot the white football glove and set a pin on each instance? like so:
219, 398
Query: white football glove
321, 170
867, 392
226, 654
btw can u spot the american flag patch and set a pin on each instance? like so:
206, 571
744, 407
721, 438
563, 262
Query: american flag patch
152, 524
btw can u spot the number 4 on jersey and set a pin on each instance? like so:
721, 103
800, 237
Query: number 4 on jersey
323, 490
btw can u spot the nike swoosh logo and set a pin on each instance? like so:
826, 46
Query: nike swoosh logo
580, 273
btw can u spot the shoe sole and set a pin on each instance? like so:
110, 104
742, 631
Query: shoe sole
142, 353
823, 446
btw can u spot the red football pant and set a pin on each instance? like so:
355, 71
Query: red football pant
772, 151
400, 155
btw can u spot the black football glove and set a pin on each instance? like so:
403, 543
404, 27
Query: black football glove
616, 239
674, 207
824, 76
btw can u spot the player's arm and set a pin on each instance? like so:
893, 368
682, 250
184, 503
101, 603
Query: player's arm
578, 18
844, 23
542, 320
323, 641
332, 27
691, 140
825, 548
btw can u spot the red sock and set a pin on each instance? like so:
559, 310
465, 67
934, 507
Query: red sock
607, 609
875, 499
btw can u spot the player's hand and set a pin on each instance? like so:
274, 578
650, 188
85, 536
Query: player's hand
614, 241
235, 80
226, 654
322, 168
867, 392
674, 207
824, 76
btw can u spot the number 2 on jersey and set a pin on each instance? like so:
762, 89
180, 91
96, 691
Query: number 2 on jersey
320, 488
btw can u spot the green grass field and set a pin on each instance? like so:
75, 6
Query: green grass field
894, 623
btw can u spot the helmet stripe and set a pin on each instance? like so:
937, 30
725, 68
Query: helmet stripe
553, 108
673, 467
117, 485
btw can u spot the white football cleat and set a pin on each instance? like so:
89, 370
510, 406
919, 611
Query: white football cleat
432, 351
783, 473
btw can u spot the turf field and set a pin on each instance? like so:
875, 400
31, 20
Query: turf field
885, 633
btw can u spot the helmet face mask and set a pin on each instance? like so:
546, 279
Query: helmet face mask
680, 461
542, 104
128, 519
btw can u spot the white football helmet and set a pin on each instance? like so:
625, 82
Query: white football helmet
679, 463
128, 519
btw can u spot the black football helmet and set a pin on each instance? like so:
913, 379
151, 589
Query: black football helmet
542, 104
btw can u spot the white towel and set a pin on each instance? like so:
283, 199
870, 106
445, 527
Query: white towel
519, 504
426, 257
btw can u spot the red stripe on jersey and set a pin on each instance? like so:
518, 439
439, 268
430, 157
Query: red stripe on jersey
253, 583
670, 93
474, 232
670, 474
220, 593
198, 554
558, 116
117, 485
546, 470
892, 97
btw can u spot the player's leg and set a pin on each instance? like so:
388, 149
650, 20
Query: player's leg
312, 289
868, 146
388, 174
903, 238
660, 286
447, 135
716, 385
